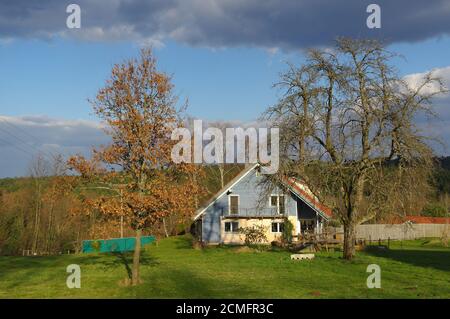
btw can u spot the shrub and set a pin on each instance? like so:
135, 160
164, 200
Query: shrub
254, 235
96, 245
434, 210
287, 231
197, 244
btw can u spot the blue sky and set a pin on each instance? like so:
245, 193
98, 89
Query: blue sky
55, 78
224, 56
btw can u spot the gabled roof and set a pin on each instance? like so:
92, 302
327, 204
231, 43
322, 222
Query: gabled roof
302, 191
298, 188
224, 190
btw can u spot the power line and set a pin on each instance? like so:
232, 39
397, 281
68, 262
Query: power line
24, 142
17, 147
48, 154
18, 128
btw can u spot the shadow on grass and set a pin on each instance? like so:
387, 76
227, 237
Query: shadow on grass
124, 260
422, 258
33, 270
118, 259
189, 284
183, 242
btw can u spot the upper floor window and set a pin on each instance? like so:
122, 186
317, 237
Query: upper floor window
233, 204
278, 201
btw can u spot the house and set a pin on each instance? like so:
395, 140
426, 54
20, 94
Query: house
243, 202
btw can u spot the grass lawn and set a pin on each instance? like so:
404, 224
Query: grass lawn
172, 269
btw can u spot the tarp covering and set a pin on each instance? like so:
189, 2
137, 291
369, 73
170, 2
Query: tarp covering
114, 244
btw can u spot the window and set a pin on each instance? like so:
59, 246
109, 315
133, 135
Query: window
277, 227
231, 227
274, 200
279, 202
233, 204
281, 206
274, 227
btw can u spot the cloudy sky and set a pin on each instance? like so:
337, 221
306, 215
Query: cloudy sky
224, 56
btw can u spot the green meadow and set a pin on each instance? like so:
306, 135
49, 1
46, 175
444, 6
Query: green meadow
171, 268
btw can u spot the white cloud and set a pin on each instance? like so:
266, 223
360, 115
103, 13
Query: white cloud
416, 79
441, 103
436, 128
22, 138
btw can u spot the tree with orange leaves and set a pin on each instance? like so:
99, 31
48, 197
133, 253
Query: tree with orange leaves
139, 109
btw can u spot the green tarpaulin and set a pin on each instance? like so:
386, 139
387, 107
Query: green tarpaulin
114, 244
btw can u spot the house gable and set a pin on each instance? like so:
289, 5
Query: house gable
224, 190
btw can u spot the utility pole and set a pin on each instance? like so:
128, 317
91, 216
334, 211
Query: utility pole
121, 214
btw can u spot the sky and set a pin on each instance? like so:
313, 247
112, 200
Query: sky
224, 56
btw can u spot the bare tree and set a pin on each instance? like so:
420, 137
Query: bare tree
38, 170
221, 170
52, 195
347, 129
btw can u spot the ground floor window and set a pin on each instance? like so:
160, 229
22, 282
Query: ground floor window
231, 227
277, 227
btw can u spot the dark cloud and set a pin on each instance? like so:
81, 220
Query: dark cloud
288, 24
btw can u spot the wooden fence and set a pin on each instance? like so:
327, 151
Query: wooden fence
398, 231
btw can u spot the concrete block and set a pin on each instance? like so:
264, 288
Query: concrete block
302, 256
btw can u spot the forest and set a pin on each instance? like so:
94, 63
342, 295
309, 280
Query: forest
43, 214
37, 216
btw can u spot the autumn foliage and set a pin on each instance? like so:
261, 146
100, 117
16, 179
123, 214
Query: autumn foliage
139, 110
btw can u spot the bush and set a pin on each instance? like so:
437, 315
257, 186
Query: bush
434, 210
197, 244
96, 245
254, 235
287, 231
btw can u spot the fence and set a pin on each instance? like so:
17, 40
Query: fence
114, 244
398, 231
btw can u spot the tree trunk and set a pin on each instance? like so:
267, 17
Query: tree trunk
165, 227
136, 256
349, 241
49, 229
37, 219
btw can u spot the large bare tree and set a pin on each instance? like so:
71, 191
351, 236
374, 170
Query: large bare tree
347, 122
